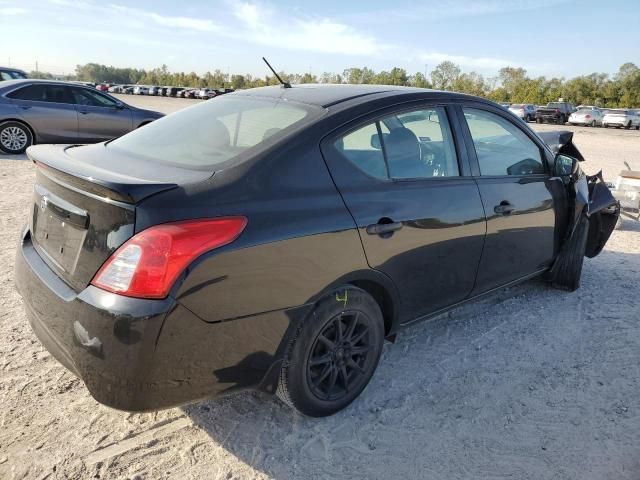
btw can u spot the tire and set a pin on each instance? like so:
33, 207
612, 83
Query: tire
593, 124
604, 125
567, 269
15, 137
627, 126
538, 120
360, 319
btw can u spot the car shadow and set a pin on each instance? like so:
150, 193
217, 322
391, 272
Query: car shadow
499, 386
6, 157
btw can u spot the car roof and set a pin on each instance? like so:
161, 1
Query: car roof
326, 95
10, 84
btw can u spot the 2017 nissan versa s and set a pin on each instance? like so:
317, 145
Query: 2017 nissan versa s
273, 238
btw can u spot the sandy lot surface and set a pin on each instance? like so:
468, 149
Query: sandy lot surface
527, 383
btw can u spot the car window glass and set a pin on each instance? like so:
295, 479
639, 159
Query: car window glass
250, 127
501, 147
82, 96
420, 145
5, 76
363, 148
207, 135
42, 93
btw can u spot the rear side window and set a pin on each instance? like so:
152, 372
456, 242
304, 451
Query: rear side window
43, 93
409, 145
501, 147
214, 132
82, 96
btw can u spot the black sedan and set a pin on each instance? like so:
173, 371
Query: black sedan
42, 111
275, 237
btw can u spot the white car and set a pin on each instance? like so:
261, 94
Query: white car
141, 90
621, 117
525, 111
585, 115
203, 93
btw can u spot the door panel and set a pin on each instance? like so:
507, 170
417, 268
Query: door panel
100, 117
96, 124
520, 199
426, 233
520, 242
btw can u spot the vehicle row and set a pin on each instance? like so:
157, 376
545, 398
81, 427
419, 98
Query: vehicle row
168, 91
560, 113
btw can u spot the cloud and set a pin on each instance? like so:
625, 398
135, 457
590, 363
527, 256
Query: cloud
484, 63
13, 11
266, 27
187, 23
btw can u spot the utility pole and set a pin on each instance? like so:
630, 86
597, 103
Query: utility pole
37, 66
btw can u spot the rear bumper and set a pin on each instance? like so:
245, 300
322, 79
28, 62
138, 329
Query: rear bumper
141, 355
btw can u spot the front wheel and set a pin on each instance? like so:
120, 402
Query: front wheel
333, 354
15, 137
567, 269
627, 126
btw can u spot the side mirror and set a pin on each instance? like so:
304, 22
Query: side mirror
564, 165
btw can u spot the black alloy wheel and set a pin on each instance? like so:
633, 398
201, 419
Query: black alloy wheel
333, 354
339, 356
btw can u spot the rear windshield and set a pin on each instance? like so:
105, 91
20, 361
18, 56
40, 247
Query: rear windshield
204, 136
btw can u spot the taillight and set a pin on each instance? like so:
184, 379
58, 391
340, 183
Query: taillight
148, 264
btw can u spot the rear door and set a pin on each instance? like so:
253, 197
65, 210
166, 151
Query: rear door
50, 111
520, 198
418, 212
100, 117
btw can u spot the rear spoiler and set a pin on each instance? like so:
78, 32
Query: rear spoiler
561, 142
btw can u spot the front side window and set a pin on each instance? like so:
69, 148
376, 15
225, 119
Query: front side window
407, 145
42, 93
501, 147
207, 135
82, 96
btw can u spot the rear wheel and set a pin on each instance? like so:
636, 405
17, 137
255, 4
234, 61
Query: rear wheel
333, 354
627, 126
15, 137
593, 124
567, 269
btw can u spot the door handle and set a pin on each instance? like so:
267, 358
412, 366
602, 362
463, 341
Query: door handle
25, 107
505, 208
83, 112
383, 228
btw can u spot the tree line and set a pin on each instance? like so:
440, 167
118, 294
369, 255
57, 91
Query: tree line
511, 84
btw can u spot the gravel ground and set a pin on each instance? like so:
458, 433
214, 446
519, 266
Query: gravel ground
530, 382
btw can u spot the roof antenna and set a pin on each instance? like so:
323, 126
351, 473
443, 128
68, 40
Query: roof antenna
284, 84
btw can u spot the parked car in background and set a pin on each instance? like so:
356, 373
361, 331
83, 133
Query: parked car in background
141, 90
191, 93
204, 93
128, 90
621, 117
554, 112
174, 91
525, 111
102, 87
42, 111
86, 84
8, 73
154, 90
200, 269
505, 105
587, 115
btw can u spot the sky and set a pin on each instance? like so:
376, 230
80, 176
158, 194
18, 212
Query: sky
563, 38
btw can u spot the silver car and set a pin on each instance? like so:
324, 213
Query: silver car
525, 111
41, 111
587, 115
621, 117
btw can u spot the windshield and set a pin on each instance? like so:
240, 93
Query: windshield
204, 136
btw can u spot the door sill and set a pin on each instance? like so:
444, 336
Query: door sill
475, 297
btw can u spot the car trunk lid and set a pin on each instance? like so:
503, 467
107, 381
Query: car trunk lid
84, 204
